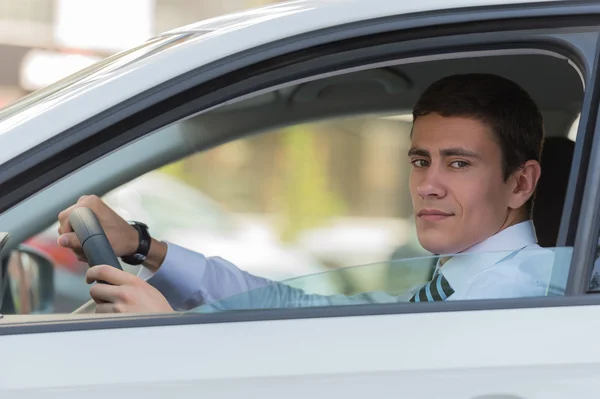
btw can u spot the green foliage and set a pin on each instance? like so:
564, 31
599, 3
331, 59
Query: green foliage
179, 171
307, 200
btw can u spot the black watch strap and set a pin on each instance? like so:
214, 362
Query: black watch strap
143, 248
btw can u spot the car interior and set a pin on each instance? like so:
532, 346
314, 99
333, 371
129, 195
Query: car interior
551, 79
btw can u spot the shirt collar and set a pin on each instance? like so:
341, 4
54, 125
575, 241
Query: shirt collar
509, 239
460, 268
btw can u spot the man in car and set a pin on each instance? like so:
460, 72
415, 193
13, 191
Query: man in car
475, 151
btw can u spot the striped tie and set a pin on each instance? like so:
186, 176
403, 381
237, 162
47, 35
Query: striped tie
438, 289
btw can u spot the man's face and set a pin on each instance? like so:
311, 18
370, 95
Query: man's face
457, 187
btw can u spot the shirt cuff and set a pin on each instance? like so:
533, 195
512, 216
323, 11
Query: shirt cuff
180, 275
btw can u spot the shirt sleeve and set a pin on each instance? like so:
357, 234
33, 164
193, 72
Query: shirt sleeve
281, 296
191, 278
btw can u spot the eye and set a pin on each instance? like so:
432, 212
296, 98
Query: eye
420, 163
459, 164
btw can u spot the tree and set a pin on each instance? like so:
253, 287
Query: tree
307, 199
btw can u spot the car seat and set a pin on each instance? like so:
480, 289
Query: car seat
557, 155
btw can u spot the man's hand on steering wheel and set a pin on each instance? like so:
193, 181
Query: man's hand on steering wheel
124, 293
117, 290
122, 237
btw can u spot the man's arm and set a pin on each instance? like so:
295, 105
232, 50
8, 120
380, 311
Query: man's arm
176, 272
185, 276
189, 279
281, 296
156, 255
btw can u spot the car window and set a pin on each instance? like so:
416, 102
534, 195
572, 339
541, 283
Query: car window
186, 215
246, 211
175, 205
313, 199
309, 200
414, 280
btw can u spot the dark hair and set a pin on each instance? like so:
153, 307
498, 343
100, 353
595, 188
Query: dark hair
504, 106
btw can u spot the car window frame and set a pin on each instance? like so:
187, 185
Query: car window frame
585, 173
263, 68
588, 228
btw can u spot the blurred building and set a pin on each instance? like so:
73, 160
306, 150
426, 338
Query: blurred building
42, 41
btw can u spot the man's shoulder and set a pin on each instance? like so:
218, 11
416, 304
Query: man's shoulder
530, 260
523, 275
519, 259
534, 251
528, 270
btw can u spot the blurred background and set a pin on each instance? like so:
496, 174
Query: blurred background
303, 200
42, 41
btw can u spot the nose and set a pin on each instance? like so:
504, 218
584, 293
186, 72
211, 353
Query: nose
431, 185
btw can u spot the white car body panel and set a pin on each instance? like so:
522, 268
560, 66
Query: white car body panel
429, 355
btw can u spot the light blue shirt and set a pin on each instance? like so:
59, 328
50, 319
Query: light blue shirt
509, 264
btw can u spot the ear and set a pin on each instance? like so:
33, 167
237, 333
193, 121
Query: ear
525, 180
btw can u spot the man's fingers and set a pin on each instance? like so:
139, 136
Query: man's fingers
126, 294
63, 217
63, 220
69, 240
104, 307
104, 293
108, 308
110, 274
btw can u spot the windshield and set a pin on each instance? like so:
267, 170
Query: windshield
489, 275
86, 76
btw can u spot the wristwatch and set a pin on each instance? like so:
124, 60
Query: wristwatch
143, 248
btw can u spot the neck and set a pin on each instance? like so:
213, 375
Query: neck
514, 217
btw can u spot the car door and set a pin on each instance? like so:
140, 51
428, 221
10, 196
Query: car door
533, 347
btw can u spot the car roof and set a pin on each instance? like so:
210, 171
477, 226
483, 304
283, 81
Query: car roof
338, 11
62, 105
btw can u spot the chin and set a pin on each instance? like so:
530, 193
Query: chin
437, 243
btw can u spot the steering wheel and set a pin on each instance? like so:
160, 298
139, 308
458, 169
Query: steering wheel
94, 243
92, 237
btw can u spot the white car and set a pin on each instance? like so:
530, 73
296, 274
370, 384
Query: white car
209, 83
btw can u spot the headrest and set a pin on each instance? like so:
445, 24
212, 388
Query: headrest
557, 155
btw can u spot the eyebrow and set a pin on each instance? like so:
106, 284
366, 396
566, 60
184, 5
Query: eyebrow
419, 152
445, 152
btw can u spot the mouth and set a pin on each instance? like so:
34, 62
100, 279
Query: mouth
433, 215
